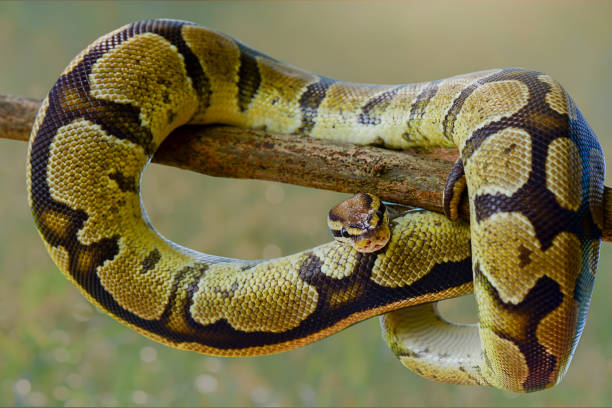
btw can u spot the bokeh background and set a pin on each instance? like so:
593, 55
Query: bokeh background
56, 349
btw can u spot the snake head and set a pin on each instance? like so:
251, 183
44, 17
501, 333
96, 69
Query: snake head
361, 221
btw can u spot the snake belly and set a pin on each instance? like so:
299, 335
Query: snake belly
534, 173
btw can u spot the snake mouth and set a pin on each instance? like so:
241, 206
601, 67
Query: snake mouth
368, 243
374, 246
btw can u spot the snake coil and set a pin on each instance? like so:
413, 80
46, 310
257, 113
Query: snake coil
533, 171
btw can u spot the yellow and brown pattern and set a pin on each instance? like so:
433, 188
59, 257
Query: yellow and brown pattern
533, 172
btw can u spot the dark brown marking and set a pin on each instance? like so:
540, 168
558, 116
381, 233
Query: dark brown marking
119, 120
454, 189
417, 111
126, 184
371, 110
509, 149
310, 101
172, 31
310, 268
170, 116
150, 261
524, 256
448, 124
179, 279
541, 300
249, 77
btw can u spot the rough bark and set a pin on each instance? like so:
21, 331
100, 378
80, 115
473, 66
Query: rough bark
17, 116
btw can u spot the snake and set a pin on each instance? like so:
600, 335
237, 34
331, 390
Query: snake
530, 166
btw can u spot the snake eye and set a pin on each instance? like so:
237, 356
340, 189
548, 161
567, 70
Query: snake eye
345, 233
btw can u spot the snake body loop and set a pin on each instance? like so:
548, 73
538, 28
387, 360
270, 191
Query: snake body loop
533, 169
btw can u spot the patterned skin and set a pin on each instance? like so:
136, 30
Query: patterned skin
533, 171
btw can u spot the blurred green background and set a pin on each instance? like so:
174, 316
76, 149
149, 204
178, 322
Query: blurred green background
55, 349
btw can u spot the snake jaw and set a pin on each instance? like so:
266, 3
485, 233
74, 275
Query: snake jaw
372, 241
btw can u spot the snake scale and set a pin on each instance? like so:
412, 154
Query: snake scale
531, 165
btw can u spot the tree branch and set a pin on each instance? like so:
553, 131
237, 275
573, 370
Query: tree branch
412, 177
402, 177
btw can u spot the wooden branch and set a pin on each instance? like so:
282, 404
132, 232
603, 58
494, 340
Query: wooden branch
402, 177
17, 116
411, 177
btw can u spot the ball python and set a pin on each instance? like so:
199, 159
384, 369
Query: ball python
532, 168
